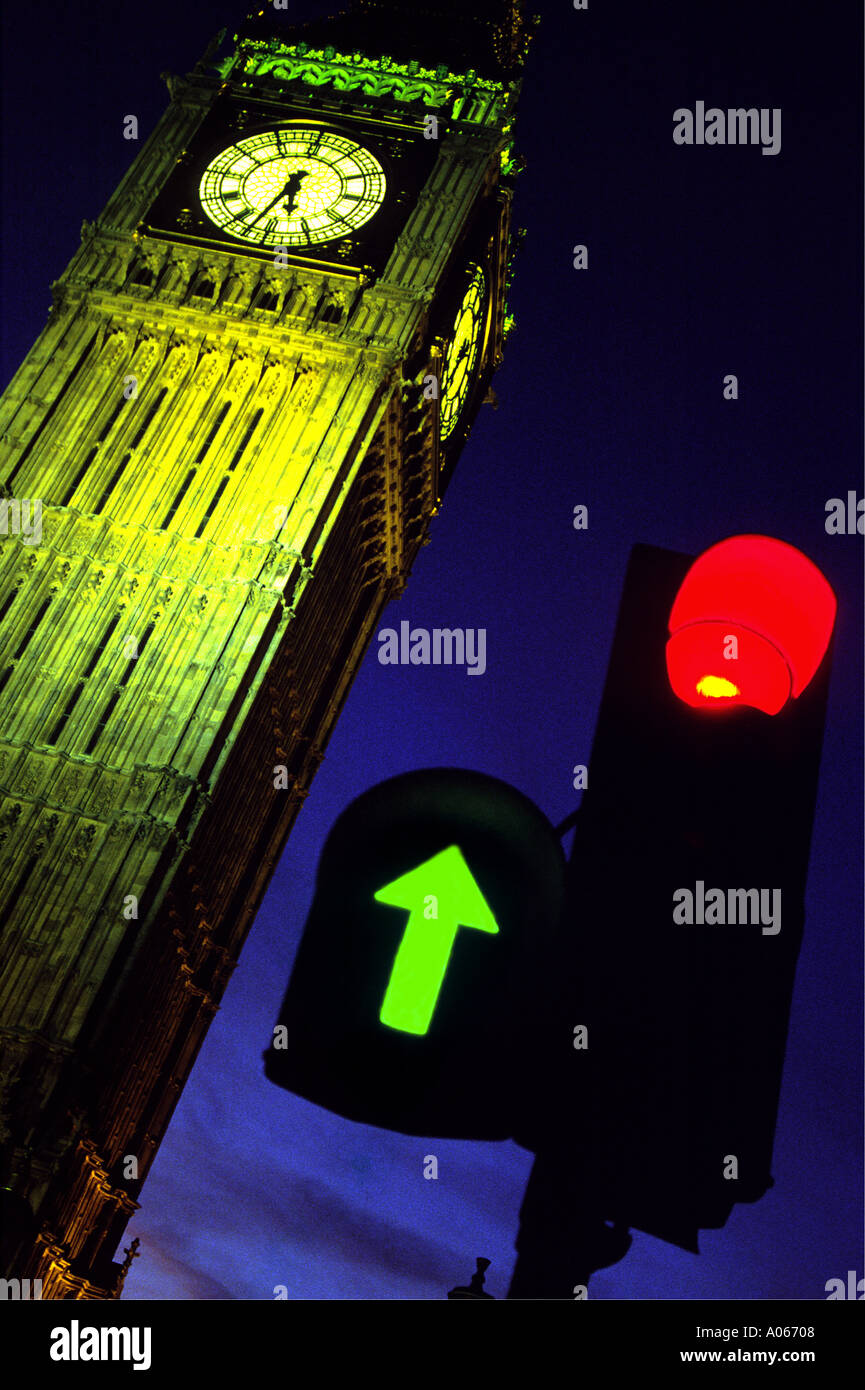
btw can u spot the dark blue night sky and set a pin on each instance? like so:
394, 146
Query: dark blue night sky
702, 262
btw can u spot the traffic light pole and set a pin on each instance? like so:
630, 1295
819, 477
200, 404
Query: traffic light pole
561, 1241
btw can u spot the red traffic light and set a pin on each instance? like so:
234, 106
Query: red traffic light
749, 626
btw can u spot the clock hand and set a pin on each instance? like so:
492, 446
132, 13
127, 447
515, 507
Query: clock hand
291, 188
271, 204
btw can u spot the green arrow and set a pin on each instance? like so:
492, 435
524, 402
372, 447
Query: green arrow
441, 895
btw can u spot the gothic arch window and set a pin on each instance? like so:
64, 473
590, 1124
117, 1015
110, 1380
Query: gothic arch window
50, 413
25, 641
139, 435
148, 419
265, 298
141, 275
199, 458
223, 484
204, 288
108, 424
232, 289
107, 712
14, 896
9, 600
105, 430
78, 478
293, 300
181, 493
329, 311
212, 432
111, 484
81, 683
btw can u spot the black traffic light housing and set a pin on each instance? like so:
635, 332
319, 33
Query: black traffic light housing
668, 1112
460, 1077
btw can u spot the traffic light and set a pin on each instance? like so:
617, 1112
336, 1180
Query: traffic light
420, 966
749, 625
660, 1058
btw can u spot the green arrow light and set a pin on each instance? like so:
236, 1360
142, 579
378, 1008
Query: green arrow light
441, 895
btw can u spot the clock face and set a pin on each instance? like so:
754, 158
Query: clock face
295, 187
462, 353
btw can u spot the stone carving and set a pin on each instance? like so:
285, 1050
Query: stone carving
102, 799
239, 375
45, 833
91, 588
209, 369
354, 72
113, 349
175, 275
83, 842
143, 357
160, 835
272, 379
175, 362
232, 290
68, 786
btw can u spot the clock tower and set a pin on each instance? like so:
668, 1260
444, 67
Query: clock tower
219, 460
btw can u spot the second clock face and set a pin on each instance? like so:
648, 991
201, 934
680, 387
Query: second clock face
298, 186
462, 353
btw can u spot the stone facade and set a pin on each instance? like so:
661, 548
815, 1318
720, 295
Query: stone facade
237, 464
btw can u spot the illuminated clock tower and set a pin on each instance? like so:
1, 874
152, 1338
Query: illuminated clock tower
259, 370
